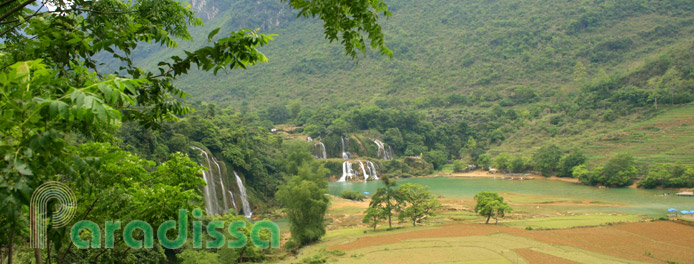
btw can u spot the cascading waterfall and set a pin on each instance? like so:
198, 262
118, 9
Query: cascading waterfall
372, 168
221, 183
345, 154
366, 175
347, 171
244, 198
383, 152
210, 201
231, 194
214, 184
368, 170
319, 151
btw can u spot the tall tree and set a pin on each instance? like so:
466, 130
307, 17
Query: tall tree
416, 202
385, 198
305, 201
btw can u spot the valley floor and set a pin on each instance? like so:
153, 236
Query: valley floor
537, 233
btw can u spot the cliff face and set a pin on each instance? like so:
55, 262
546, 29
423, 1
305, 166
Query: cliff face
204, 10
235, 14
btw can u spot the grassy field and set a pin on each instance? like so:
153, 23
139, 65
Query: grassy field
667, 137
532, 234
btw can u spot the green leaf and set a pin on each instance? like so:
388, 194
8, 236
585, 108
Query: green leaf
212, 34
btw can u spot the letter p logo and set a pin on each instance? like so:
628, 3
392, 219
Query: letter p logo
39, 209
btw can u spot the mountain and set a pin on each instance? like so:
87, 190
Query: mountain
440, 47
565, 67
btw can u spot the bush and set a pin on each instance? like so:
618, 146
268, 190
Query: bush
458, 166
569, 162
484, 161
352, 195
546, 159
502, 161
517, 164
437, 158
616, 173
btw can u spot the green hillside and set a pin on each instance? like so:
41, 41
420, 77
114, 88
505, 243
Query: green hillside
444, 47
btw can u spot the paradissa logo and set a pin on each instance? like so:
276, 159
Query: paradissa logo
213, 229
66, 209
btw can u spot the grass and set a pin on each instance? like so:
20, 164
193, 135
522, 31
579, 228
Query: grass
665, 137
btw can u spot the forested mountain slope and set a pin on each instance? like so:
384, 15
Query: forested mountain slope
521, 74
441, 47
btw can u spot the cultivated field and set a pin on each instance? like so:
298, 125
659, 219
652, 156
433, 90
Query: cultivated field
533, 234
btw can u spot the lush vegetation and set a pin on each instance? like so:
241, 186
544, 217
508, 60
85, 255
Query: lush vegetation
68, 117
352, 195
490, 204
413, 202
95, 94
620, 171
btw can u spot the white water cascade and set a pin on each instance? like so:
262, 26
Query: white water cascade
347, 171
214, 185
366, 175
372, 168
383, 152
368, 170
345, 154
319, 151
244, 198
233, 201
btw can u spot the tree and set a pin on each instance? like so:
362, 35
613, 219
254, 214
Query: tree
490, 204
303, 197
278, 114
484, 161
373, 216
546, 159
340, 127
458, 166
436, 157
617, 172
568, 162
416, 202
502, 161
582, 173
385, 199
517, 164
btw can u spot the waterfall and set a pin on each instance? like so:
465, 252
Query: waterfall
383, 152
214, 185
244, 198
319, 151
231, 194
347, 171
210, 202
366, 175
221, 183
309, 139
345, 154
322, 146
372, 168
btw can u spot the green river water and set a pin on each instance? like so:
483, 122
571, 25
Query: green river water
631, 201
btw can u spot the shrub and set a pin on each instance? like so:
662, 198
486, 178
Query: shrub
458, 166
352, 195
